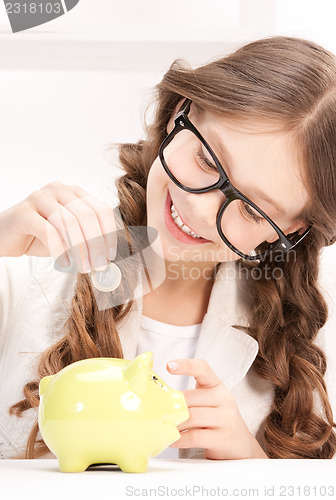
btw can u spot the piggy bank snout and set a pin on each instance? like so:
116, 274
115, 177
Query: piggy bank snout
180, 411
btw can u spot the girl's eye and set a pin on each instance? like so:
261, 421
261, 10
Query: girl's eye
204, 161
249, 213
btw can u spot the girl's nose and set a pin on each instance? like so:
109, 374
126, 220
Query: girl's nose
205, 206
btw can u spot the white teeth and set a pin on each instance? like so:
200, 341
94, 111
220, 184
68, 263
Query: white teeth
173, 211
180, 224
186, 229
178, 221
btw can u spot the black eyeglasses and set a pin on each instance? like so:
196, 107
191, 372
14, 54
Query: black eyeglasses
192, 165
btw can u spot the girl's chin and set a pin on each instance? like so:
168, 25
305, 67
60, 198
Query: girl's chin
178, 253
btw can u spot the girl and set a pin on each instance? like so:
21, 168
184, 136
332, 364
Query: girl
237, 175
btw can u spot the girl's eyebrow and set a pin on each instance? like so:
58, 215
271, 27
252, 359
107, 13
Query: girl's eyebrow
224, 154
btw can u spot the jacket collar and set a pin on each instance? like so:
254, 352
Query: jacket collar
229, 351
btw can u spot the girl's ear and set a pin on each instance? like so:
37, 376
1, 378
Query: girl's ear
171, 124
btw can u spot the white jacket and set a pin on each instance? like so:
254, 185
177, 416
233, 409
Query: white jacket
35, 302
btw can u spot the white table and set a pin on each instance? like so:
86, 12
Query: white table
277, 479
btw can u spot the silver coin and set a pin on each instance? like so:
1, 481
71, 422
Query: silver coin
107, 280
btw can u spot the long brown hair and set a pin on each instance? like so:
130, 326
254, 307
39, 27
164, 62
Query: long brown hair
292, 83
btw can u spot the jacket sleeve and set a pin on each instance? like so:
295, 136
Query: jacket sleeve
16, 273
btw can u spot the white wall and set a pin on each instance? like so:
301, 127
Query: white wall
71, 86
308, 18
56, 125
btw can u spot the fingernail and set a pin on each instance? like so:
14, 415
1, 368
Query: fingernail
62, 266
86, 266
112, 253
101, 263
173, 365
62, 263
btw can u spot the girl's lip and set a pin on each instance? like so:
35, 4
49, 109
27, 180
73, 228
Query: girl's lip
176, 231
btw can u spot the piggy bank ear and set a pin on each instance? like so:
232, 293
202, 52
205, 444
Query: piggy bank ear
44, 382
136, 373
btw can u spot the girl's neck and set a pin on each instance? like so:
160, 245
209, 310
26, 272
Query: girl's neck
182, 299
189, 277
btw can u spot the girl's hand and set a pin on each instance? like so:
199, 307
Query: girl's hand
215, 423
60, 220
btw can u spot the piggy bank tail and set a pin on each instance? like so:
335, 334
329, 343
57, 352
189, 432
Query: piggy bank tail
44, 382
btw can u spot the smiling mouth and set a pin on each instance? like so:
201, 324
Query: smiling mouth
180, 225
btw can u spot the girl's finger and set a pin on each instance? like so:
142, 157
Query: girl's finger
197, 438
83, 221
46, 238
213, 397
66, 225
197, 368
106, 219
206, 417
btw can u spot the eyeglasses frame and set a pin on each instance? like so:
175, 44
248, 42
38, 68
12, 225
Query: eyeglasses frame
231, 193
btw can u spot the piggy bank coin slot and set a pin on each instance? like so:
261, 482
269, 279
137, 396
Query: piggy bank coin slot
157, 381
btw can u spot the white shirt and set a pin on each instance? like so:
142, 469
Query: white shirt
168, 342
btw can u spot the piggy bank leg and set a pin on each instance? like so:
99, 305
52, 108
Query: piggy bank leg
137, 463
72, 463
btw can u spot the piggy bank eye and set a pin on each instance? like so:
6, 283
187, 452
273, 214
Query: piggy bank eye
157, 381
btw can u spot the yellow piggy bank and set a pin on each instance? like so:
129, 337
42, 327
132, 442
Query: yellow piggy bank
109, 410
